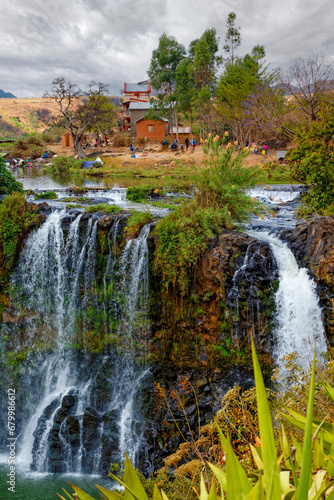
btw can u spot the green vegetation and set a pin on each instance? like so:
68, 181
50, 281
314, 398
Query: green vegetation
135, 223
48, 195
220, 202
8, 184
16, 218
139, 193
312, 162
63, 165
30, 147
102, 207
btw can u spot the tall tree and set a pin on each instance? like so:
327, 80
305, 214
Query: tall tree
232, 37
79, 115
204, 69
243, 88
309, 81
164, 62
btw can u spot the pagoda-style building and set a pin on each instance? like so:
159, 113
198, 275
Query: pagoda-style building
133, 93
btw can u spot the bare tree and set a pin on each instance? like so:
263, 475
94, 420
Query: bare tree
81, 110
308, 81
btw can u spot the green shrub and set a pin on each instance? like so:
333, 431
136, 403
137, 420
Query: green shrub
139, 193
8, 183
135, 223
62, 165
101, 207
49, 195
16, 218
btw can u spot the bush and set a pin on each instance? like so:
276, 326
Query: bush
32, 146
139, 193
62, 165
49, 195
16, 218
122, 141
100, 207
141, 141
135, 224
181, 238
8, 183
312, 161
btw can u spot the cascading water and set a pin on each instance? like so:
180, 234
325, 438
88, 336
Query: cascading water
82, 414
298, 314
299, 325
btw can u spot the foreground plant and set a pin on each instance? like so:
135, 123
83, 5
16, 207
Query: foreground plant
280, 472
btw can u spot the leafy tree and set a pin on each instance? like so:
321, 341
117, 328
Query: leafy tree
79, 116
8, 183
232, 37
109, 115
164, 62
309, 81
312, 160
184, 86
204, 69
244, 90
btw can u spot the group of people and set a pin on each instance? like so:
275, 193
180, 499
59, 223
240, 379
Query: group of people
186, 144
254, 149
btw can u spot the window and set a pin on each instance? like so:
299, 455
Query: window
150, 128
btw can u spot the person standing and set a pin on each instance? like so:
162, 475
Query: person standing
265, 148
187, 143
193, 143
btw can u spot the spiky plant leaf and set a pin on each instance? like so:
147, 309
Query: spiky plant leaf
237, 483
269, 454
306, 468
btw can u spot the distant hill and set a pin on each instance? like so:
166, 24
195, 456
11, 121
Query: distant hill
6, 95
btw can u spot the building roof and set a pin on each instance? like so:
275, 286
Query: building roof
137, 87
159, 119
182, 130
140, 105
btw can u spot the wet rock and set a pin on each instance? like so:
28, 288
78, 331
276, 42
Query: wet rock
106, 222
44, 207
91, 435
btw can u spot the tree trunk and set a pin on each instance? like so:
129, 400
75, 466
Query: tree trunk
78, 145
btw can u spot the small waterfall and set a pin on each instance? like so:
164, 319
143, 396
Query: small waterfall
298, 318
60, 293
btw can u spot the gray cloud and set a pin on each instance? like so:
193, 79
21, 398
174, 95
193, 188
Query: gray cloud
112, 40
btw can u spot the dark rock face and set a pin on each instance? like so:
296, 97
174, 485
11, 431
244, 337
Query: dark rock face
312, 243
232, 284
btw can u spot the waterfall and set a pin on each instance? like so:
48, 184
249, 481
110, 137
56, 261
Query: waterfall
83, 409
298, 318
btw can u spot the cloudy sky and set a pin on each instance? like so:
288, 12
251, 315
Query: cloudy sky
111, 41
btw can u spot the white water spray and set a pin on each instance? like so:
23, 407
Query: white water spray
298, 316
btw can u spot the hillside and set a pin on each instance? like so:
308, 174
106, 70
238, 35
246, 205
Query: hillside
26, 115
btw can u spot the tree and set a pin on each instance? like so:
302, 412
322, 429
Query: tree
312, 160
232, 37
79, 116
309, 81
109, 114
204, 69
250, 99
164, 62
